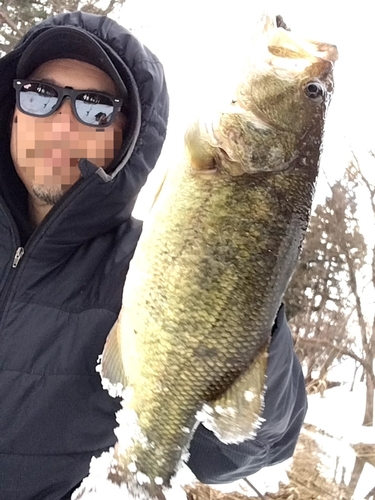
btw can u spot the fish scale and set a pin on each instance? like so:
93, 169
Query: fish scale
244, 307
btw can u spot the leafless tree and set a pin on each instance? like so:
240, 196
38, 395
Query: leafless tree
17, 16
327, 295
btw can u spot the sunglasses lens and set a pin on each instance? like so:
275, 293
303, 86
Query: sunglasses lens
37, 98
94, 109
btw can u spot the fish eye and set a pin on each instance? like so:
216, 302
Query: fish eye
314, 90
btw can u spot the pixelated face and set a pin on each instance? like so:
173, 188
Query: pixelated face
46, 150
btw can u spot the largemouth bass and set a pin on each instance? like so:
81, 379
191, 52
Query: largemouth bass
212, 264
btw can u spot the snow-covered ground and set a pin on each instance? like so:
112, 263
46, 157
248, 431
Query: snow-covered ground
340, 414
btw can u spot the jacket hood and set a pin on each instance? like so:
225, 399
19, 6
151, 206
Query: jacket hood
100, 200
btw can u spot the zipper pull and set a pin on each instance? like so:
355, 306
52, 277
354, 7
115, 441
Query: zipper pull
19, 253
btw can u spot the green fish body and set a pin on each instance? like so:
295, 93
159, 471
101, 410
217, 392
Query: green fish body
212, 265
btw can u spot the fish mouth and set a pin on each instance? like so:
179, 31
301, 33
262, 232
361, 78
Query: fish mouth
284, 44
293, 53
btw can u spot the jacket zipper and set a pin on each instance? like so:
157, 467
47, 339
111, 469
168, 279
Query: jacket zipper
20, 251
14, 270
53, 214
5, 293
18, 256
9, 280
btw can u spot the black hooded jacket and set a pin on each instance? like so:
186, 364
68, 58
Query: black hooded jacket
59, 301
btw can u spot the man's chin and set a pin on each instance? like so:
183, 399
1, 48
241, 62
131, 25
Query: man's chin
48, 195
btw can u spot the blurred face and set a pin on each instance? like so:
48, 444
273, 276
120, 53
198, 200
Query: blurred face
46, 150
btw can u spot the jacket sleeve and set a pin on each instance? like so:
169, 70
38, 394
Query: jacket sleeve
285, 407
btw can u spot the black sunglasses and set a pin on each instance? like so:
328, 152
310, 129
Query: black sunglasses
95, 109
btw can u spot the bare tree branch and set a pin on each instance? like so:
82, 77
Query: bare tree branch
344, 351
12, 39
365, 181
109, 8
357, 298
7, 20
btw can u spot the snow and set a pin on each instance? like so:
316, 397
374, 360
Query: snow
97, 487
265, 480
340, 414
367, 479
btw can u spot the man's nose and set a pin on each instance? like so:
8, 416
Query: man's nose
64, 120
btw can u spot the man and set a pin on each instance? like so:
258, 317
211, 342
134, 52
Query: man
84, 116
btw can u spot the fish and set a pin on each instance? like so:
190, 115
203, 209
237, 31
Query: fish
212, 264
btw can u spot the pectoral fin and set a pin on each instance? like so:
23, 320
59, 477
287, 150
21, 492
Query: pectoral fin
236, 415
199, 146
111, 368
